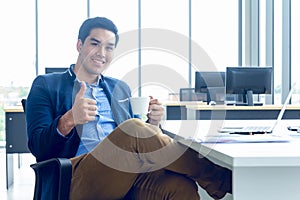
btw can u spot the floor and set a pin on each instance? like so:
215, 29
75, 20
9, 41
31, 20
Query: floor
24, 178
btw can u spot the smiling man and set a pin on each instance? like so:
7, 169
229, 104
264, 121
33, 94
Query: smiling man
85, 116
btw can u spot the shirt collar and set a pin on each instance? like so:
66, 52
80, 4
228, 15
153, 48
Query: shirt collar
71, 72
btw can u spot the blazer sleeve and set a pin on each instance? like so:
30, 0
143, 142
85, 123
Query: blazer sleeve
43, 139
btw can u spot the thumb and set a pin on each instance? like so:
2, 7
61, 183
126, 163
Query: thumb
82, 90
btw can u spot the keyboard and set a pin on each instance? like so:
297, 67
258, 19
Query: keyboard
247, 130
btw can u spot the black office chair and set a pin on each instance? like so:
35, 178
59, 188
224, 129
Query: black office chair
55, 172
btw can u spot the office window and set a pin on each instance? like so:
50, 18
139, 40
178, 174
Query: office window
58, 25
295, 45
125, 15
164, 53
17, 53
277, 50
214, 35
215, 29
262, 33
18, 39
17, 49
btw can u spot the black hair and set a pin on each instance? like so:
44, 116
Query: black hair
97, 22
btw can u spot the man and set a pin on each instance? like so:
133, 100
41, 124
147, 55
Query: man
85, 116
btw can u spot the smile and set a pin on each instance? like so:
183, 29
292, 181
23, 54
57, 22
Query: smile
99, 61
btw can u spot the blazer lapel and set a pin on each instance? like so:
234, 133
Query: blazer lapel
120, 113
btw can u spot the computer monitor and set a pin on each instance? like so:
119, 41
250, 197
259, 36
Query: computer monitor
211, 83
248, 81
49, 70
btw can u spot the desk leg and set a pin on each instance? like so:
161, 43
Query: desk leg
9, 170
19, 161
261, 183
190, 114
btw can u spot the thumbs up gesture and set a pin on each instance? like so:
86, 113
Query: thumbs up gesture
84, 109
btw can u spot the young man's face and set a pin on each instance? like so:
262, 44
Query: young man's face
96, 53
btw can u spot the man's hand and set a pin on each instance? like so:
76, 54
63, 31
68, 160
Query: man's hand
83, 111
156, 111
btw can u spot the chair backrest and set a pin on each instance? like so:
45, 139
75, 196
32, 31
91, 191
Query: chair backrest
52, 177
23, 102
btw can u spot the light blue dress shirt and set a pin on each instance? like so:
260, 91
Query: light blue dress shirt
95, 131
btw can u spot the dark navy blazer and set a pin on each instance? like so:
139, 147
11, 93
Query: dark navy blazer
51, 96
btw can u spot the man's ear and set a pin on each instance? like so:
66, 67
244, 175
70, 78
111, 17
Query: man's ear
79, 45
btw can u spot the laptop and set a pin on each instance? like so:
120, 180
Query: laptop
249, 130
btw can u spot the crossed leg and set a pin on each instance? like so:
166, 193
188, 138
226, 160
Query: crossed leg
163, 184
138, 159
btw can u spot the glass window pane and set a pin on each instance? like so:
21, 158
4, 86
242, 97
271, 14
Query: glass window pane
262, 33
125, 15
215, 29
215, 35
295, 45
18, 48
277, 50
165, 37
58, 30
17, 53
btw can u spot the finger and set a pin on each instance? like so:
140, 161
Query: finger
155, 115
92, 113
87, 115
82, 90
156, 109
91, 102
156, 106
92, 108
155, 101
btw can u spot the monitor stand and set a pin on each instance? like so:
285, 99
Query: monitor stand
248, 100
249, 96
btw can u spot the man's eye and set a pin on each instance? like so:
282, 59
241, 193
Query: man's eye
109, 48
95, 43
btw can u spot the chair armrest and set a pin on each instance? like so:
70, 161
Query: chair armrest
52, 177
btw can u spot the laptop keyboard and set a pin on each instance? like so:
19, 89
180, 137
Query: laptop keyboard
257, 128
248, 130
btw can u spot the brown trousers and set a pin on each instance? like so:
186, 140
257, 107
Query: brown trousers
138, 161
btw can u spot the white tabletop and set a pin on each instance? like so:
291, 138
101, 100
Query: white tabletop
259, 170
241, 154
225, 107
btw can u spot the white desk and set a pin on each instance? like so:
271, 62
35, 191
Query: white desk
16, 139
260, 171
176, 110
218, 112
